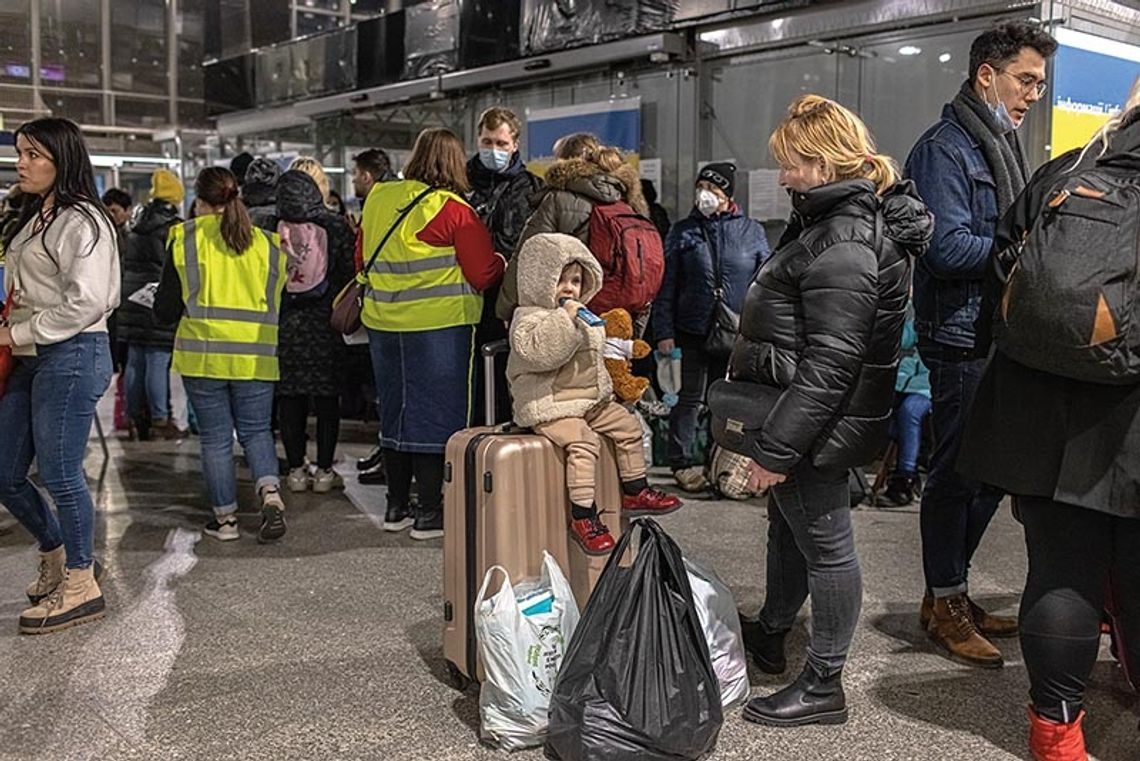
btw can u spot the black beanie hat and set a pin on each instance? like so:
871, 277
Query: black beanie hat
720, 173
239, 165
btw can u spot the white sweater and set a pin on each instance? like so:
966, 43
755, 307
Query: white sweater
73, 290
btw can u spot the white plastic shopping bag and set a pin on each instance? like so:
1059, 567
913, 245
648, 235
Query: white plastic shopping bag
720, 622
523, 632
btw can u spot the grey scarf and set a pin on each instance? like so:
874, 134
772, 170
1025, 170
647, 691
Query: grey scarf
1003, 152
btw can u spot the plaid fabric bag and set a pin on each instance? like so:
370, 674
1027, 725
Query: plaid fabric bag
728, 474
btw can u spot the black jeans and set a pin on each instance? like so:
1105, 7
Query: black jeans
427, 468
293, 416
698, 370
1072, 553
955, 510
811, 550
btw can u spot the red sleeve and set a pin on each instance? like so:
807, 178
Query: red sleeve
458, 225
358, 249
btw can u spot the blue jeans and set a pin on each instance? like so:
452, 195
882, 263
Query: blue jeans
955, 510
223, 407
811, 550
148, 380
46, 414
906, 429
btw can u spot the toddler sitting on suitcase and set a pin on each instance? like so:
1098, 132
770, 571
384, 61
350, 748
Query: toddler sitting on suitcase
561, 387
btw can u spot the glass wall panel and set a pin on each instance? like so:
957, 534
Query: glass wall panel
191, 48
136, 112
79, 107
70, 46
138, 49
16, 42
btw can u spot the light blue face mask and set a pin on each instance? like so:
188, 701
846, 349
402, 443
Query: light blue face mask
1001, 114
494, 159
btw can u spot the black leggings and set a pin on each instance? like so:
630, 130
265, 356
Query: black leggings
428, 471
1072, 551
293, 416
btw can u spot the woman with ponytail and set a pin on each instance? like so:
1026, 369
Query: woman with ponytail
1067, 451
222, 284
63, 279
820, 329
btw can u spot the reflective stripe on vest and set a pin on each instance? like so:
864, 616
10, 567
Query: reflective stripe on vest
412, 285
233, 302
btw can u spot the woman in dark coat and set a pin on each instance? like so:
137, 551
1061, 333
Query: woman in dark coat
821, 328
149, 345
1069, 452
310, 352
715, 248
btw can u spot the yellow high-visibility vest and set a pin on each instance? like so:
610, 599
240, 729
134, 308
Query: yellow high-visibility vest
233, 302
412, 286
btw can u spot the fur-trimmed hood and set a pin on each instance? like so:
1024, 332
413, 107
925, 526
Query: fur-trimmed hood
588, 179
541, 261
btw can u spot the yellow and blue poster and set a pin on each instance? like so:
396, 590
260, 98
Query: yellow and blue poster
614, 122
1091, 79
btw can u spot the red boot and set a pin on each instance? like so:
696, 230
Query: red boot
649, 501
592, 535
1050, 741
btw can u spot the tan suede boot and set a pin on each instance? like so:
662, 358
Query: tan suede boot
51, 574
952, 627
77, 600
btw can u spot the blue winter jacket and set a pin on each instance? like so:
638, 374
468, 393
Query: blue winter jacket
913, 377
685, 302
953, 178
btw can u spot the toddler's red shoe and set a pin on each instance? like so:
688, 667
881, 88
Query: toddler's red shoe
649, 501
592, 535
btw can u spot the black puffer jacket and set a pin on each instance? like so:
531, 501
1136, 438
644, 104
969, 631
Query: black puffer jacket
502, 200
142, 264
823, 321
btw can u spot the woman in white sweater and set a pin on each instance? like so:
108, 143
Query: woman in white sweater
63, 278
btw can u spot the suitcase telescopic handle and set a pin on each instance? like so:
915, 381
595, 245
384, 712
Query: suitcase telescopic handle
489, 350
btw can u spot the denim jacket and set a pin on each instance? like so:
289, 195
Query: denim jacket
956, 182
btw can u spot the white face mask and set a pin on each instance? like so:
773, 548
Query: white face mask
707, 202
1001, 113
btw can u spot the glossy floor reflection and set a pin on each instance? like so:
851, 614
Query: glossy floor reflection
328, 644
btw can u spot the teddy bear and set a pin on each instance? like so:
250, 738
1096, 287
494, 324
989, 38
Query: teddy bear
621, 349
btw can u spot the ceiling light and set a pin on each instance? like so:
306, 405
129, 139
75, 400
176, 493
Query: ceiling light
909, 50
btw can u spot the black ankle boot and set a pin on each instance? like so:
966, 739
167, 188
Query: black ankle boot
901, 490
766, 648
811, 699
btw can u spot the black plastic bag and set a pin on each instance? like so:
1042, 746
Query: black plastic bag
637, 681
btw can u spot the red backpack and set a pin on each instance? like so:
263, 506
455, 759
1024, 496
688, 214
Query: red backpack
629, 248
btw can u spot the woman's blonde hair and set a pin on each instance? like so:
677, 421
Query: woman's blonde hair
819, 128
580, 145
313, 168
1105, 133
438, 160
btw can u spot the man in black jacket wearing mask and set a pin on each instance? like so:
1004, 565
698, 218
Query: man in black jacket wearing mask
501, 191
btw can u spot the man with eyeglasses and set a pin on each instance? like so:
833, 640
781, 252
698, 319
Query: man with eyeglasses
968, 167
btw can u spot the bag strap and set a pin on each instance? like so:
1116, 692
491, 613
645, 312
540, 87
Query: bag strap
487, 581
403, 214
718, 288
496, 196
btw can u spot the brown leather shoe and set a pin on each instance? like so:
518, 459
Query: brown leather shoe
952, 627
997, 627
988, 625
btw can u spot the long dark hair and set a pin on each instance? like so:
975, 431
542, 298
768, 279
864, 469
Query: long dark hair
218, 186
74, 186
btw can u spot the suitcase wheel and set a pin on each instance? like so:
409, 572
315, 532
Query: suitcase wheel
456, 678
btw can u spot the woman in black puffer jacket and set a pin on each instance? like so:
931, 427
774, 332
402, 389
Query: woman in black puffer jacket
822, 324
149, 346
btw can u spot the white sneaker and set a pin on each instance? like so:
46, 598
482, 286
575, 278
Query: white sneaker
691, 479
326, 480
224, 528
298, 479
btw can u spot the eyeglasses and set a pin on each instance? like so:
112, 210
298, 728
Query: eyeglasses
1028, 83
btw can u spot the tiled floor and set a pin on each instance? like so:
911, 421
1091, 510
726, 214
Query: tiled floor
327, 646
